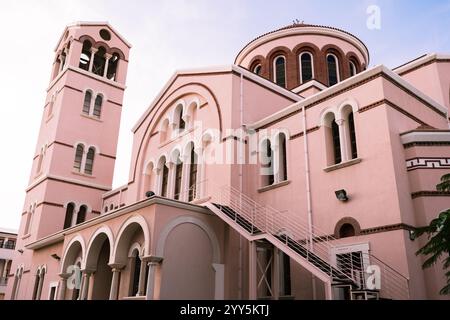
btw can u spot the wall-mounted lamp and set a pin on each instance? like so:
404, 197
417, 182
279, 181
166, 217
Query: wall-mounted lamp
20, 251
55, 256
150, 194
341, 195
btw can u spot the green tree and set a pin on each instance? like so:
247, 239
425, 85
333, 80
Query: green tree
438, 233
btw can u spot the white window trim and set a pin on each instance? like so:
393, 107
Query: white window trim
275, 69
353, 66
337, 67
300, 64
254, 68
343, 249
53, 285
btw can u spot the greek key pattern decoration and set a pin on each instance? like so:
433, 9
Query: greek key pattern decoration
428, 163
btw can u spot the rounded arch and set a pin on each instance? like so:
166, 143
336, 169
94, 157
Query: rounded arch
187, 219
95, 245
126, 231
347, 221
175, 155
277, 132
75, 245
162, 161
327, 116
180, 106
135, 246
188, 147
149, 167
346, 107
151, 118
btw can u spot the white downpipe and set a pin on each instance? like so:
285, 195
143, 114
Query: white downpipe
308, 194
241, 173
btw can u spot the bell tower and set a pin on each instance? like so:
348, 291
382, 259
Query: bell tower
77, 143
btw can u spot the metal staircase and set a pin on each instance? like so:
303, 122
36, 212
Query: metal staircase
312, 250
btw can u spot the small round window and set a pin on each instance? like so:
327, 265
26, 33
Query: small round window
105, 34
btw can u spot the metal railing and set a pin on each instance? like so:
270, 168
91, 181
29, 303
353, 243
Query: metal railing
291, 230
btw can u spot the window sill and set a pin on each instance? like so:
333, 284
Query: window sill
274, 186
83, 174
343, 165
91, 117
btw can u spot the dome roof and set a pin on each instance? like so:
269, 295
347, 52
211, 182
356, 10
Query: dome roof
298, 27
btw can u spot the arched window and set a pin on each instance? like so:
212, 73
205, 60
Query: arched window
81, 216
257, 69
106, 209
112, 67
111, 207
332, 140
353, 70
347, 230
333, 69
40, 160
85, 57
50, 106
180, 124
178, 175
282, 159
99, 62
38, 284
193, 168
336, 142
306, 67
267, 163
89, 161
98, 106
78, 157
351, 128
69, 215
279, 67
87, 102
164, 179
136, 273
29, 219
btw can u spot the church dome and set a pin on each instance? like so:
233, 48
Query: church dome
299, 53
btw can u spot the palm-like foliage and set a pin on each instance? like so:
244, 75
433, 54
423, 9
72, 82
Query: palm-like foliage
438, 238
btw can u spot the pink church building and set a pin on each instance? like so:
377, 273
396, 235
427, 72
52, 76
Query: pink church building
298, 172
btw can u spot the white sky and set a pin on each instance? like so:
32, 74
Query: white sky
166, 36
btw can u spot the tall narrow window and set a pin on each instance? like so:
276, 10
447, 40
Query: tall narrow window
99, 62
181, 124
193, 176
78, 157
351, 127
333, 70
87, 102
353, 71
37, 278
112, 68
98, 106
136, 274
89, 161
267, 164
69, 215
165, 180
279, 67
50, 107
282, 158
85, 57
178, 175
40, 160
306, 67
81, 216
336, 142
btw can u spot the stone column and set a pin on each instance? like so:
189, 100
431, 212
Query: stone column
343, 140
276, 275
153, 264
171, 182
108, 57
114, 293
91, 62
62, 286
141, 290
85, 288
200, 191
